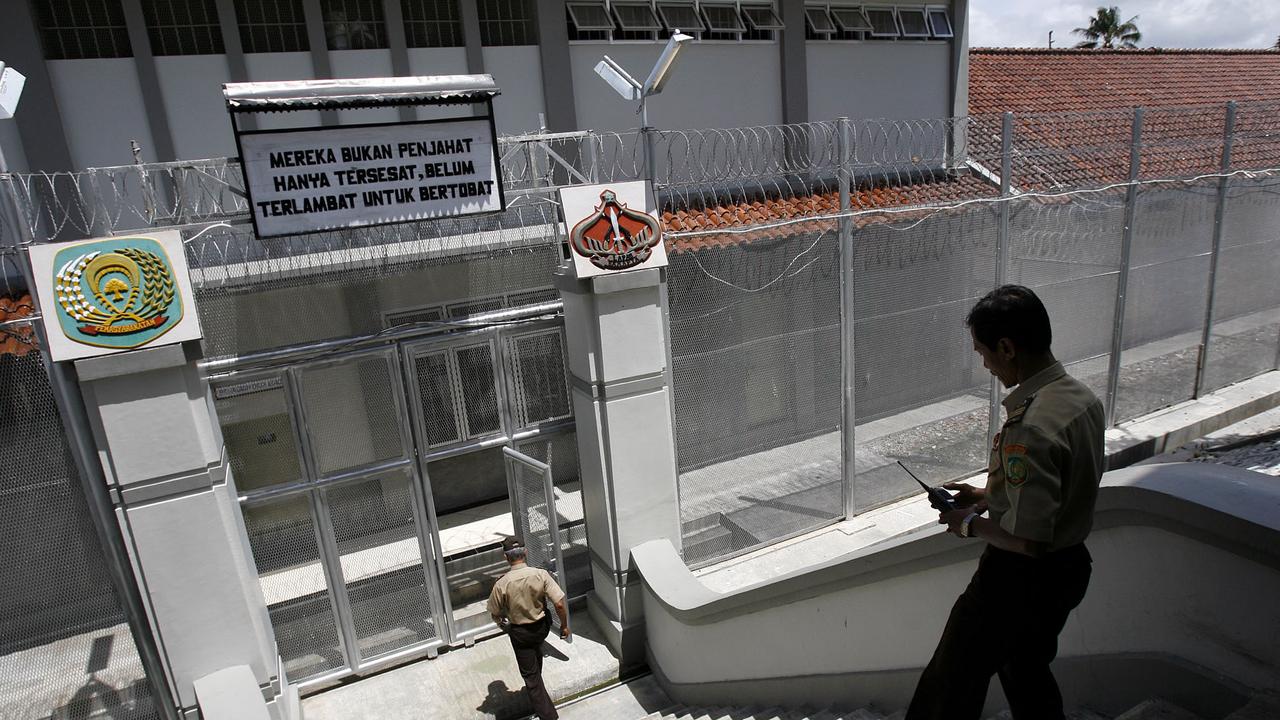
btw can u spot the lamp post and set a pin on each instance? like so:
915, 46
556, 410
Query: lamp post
630, 89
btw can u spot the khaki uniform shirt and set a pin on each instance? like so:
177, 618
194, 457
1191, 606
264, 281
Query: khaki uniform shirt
518, 595
1047, 460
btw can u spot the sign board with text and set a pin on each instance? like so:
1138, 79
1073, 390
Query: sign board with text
302, 181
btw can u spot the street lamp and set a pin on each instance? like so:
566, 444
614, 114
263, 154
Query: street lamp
626, 86
630, 89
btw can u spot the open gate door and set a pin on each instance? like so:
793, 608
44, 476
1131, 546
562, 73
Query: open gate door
534, 501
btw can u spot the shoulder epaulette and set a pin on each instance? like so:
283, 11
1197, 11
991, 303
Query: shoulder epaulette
1015, 415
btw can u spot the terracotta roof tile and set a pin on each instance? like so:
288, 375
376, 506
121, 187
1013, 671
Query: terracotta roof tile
1041, 80
17, 338
923, 191
1072, 111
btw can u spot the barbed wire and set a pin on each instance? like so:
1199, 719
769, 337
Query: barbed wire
923, 212
1072, 158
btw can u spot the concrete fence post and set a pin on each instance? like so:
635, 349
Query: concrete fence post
844, 173
1122, 280
1228, 137
615, 335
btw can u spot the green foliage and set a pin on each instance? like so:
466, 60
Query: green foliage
1106, 31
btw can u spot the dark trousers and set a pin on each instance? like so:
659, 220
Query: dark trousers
526, 640
1005, 623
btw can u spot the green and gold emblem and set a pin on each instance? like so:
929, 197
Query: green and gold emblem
116, 293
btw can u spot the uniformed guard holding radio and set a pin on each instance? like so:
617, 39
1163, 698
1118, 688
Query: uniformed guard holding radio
1042, 485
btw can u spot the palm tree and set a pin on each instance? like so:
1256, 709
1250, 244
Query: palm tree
1105, 29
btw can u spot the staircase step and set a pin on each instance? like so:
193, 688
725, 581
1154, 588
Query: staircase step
1260, 707
1157, 709
862, 714
1085, 714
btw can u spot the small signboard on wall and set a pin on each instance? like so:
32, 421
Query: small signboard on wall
612, 228
302, 181
115, 294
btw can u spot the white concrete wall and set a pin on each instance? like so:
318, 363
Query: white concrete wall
282, 66
896, 80
438, 61
101, 104
198, 119
1183, 593
715, 85
358, 64
518, 73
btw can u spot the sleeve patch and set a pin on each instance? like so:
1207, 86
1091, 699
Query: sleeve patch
1016, 468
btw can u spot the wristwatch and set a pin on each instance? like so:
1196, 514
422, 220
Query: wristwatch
966, 525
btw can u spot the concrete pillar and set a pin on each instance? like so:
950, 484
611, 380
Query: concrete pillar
162, 456
616, 334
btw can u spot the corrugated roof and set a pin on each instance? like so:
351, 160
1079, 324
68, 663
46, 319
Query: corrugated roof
16, 338
356, 92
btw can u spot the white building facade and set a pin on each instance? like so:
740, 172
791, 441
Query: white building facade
106, 73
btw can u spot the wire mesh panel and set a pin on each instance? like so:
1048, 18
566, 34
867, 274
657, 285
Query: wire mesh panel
1165, 298
283, 537
435, 394
1068, 252
1245, 339
477, 390
65, 647
560, 452
540, 391
380, 556
352, 413
258, 432
536, 521
358, 300
921, 393
756, 370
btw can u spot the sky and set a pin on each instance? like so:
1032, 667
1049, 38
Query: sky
1163, 23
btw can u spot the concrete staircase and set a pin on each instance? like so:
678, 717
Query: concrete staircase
1261, 708
630, 702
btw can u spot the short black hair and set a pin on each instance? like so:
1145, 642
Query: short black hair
1014, 312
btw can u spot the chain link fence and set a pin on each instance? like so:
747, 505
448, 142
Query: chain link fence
66, 650
805, 361
1153, 238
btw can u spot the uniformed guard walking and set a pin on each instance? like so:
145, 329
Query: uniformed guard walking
517, 604
1042, 484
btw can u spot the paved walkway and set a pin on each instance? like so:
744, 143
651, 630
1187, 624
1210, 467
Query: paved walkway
479, 682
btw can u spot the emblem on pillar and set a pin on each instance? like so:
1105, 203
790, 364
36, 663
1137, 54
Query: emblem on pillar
612, 227
114, 293
615, 237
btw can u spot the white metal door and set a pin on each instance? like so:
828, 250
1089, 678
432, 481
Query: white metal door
534, 500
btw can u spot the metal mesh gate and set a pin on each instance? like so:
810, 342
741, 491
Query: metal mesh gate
65, 647
534, 498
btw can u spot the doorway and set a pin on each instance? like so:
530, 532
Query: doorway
376, 487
